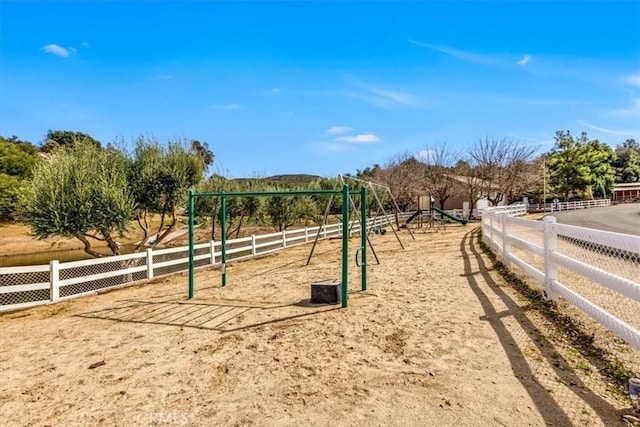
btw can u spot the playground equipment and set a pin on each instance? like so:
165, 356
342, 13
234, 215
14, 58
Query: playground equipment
346, 198
387, 191
435, 216
371, 186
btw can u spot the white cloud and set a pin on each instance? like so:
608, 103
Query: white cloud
387, 98
456, 53
525, 60
54, 49
232, 106
395, 97
363, 138
605, 130
633, 80
85, 44
338, 130
632, 111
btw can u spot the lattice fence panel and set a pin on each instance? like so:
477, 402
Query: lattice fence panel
26, 278
24, 297
93, 285
182, 266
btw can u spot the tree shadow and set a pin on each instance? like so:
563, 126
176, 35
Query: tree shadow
547, 404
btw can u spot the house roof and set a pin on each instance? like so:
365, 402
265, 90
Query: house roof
627, 186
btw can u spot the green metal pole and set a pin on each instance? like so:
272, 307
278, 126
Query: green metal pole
363, 237
345, 244
191, 243
223, 238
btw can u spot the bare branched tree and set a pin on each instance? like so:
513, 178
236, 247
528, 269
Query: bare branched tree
440, 179
469, 182
501, 165
404, 175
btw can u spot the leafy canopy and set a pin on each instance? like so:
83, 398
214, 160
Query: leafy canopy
80, 192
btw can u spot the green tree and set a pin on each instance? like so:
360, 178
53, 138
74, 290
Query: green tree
66, 138
580, 166
80, 192
627, 162
369, 173
239, 209
9, 190
566, 172
599, 157
203, 152
160, 176
285, 211
17, 160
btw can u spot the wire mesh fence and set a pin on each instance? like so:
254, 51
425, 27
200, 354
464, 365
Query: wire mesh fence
596, 271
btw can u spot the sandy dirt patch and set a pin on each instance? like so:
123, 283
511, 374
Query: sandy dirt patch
438, 339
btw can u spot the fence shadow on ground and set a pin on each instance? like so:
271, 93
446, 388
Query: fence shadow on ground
227, 317
555, 408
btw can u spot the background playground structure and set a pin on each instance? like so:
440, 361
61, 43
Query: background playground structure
435, 217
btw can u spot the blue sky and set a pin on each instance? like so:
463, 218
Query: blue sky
320, 87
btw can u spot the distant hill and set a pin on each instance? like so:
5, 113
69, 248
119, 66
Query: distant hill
292, 180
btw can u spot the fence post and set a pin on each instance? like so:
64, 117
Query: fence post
284, 239
149, 263
550, 245
506, 247
253, 245
54, 280
493, 243
212, 251
306, 234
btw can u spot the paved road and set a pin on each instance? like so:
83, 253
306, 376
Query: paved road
620, 219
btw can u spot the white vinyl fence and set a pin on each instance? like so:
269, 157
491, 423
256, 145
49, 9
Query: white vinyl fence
568, 206
598, 272
22, 287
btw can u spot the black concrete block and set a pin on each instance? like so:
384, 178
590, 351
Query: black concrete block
326, 292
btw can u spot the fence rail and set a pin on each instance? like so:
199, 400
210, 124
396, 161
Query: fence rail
23, 287
595, 271
567, 206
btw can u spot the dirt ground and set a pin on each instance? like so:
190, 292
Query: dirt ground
16, 238
438, 339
